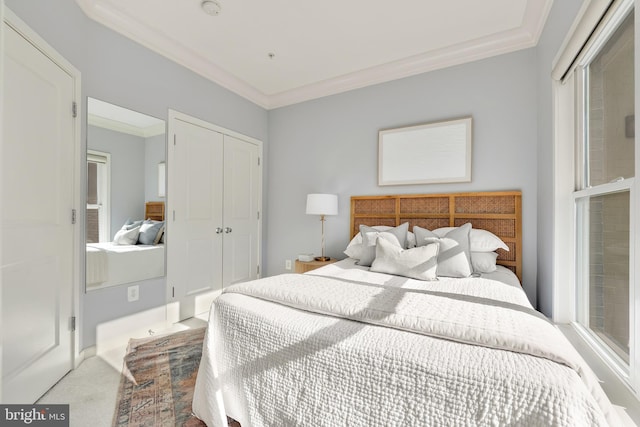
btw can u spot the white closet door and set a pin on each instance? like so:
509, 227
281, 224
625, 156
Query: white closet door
194, 237
241, 223
37, 233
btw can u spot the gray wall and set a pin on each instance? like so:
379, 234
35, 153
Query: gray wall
127, 173
558, 23
329, 145
120, 71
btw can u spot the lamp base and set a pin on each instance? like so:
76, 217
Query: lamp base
322, 258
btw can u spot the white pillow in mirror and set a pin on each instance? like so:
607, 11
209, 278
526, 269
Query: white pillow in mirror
417, 263
126, 237
150, 232
129, 224
160, 236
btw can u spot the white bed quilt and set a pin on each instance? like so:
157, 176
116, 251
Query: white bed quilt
280, 352
111, 265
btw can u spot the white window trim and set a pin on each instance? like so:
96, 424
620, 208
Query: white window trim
564, 215
105, 214
622, 369
566, 130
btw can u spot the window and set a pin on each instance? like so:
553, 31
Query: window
97, 217
604, 188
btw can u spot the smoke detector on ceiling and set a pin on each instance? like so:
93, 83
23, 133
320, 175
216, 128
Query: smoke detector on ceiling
211, 7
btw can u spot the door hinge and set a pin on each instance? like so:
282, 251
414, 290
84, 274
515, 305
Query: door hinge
173, 292
258, 161
258, 270
174, 139
258, 214
174, 214
74, 109
73, 216
73, 323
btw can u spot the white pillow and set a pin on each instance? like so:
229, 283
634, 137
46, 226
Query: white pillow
126, 237
400, 232
354, 248
128, 225
418, 263
160, 236
454, 258
481, 240
369, 243
484, 262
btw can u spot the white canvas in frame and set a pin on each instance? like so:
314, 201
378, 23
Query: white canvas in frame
162, 174
423, 154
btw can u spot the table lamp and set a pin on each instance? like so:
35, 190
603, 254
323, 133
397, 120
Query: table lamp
322, 204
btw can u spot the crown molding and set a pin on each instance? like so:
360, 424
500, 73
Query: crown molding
114, 125
419, 64
170, 49
525, 36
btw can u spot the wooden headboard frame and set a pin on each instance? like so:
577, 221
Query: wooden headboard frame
499, 212
154, 211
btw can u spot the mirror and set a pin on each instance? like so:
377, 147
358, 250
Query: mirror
125, 210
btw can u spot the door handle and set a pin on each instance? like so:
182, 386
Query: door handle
228, 230
218, 230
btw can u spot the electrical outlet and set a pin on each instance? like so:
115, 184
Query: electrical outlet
287, 264
133, 293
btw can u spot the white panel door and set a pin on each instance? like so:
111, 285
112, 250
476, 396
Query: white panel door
37, 233
194, 235
241, 222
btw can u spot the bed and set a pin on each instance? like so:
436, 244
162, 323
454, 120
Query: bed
112, 265
346, 345
128, 259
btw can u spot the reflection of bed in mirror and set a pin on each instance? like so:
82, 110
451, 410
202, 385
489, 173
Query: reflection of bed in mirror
112, 264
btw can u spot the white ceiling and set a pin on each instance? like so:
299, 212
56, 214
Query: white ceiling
321, 48
119, 119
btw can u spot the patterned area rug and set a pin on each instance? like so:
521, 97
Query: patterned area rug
158, 378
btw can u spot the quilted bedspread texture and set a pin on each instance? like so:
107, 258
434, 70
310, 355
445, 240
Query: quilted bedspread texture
305, 350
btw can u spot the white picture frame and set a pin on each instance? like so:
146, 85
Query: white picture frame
438, 152
162, 179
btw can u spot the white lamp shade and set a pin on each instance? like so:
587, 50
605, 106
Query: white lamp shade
322, 204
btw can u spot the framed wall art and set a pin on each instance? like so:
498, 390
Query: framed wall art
437, 152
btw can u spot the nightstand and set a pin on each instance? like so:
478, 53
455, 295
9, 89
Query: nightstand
304, 266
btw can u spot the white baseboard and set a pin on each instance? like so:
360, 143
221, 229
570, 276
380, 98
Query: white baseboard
118, 332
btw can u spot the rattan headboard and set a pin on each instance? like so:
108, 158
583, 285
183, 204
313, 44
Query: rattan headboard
154, 211
499, 212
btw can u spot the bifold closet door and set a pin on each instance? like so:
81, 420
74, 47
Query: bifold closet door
240, 207
194, 238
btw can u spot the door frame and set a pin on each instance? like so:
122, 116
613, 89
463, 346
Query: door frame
2, 14
11, 19
174, 115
